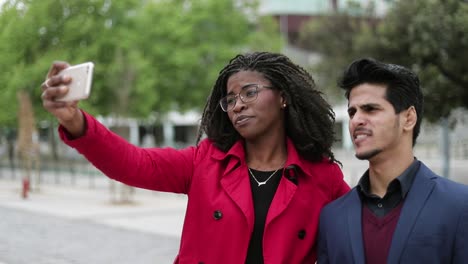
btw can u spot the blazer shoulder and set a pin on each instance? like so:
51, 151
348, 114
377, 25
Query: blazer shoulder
351, 198
456, 186
444, 186
452, 188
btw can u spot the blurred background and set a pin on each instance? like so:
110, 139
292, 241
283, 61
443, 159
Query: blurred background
156, 62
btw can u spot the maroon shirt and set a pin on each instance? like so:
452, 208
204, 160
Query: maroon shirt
378, 233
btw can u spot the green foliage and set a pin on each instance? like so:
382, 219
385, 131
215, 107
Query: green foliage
149, 55
428, 36
432, 38
266, 37
335, 37
187, 46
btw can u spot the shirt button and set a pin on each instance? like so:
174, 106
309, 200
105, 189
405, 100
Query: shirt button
379, 205
217, 214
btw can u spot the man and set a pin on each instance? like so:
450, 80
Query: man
400, 211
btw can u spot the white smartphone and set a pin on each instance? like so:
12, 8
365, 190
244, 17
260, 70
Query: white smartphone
80, 85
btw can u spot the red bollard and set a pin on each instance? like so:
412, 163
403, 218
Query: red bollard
25, 188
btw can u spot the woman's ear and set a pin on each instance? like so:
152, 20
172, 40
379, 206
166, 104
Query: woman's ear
283, 100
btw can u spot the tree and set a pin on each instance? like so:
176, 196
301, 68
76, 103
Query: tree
335, 38
149, 55
431, 37
428, 36
34, 33
407, 35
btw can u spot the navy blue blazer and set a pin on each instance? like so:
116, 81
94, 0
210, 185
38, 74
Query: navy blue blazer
432, 228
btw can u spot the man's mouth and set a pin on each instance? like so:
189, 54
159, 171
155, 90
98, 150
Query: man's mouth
361, 134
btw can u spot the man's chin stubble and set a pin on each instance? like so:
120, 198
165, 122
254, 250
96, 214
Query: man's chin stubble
368, 155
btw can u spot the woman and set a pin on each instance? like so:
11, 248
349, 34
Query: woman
255, 185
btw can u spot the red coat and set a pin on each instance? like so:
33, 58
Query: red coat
220, 215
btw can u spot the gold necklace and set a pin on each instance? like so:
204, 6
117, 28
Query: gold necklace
263, 182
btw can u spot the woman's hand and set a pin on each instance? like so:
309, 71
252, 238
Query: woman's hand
67, 113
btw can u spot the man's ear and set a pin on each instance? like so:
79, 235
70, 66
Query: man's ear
410, 118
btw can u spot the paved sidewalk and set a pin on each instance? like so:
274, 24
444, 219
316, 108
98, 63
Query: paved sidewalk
151, 212
31, 237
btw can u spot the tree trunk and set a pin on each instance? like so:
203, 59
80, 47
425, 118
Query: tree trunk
28, 142
124, 83
445, 146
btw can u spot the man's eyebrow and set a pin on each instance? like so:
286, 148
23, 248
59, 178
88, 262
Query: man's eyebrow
368, 105
372, 105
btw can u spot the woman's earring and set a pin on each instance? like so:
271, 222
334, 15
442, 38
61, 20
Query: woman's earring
284, 105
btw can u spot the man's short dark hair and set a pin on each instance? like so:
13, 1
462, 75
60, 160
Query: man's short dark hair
403, 89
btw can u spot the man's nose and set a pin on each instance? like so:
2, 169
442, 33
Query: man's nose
358, 119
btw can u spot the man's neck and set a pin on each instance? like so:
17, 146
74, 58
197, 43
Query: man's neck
383, 170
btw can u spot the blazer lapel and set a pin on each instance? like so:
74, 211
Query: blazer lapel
355, 226
414, 202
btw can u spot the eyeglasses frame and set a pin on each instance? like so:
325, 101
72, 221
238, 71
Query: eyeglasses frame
239, 96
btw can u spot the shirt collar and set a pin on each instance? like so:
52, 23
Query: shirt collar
407, 177
404, 181
238, 153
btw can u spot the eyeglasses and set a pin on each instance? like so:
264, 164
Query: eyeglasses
248, 94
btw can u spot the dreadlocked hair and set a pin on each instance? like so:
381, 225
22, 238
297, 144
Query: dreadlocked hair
309, 119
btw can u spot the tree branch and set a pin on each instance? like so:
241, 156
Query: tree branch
458, 80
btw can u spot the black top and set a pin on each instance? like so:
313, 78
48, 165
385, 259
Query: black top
396, 191
262, 197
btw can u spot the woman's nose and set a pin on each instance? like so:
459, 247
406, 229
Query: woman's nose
240, 105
